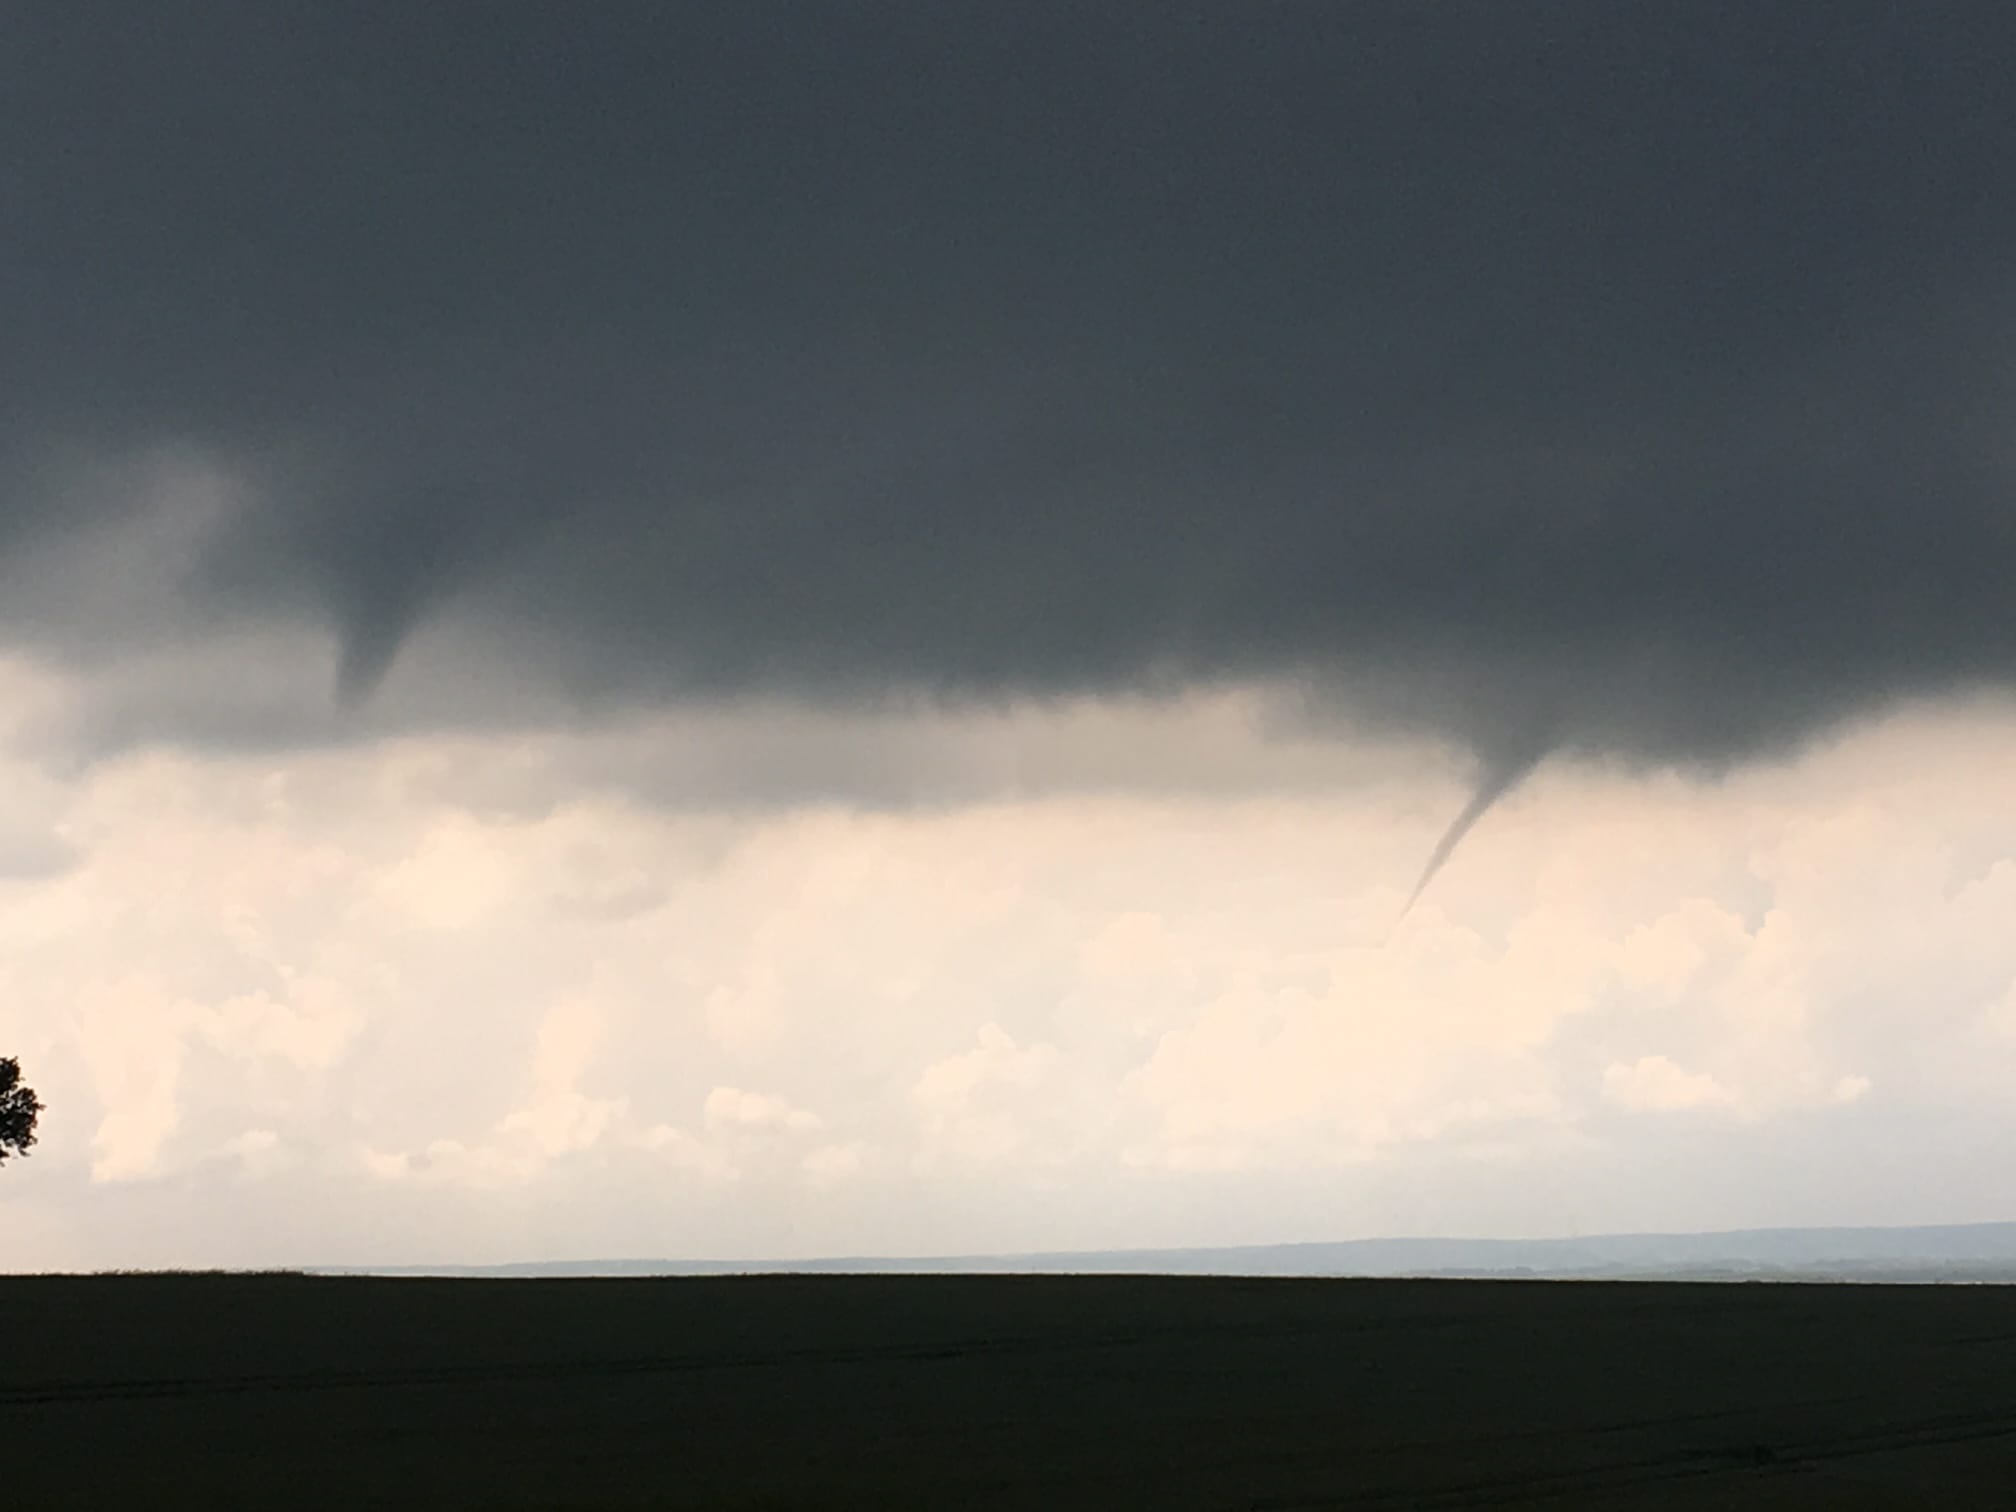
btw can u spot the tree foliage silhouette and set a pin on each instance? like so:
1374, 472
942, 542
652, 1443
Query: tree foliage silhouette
19, 1108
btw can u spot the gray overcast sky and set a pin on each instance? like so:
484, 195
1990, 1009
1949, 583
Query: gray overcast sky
773, 628
1628, 377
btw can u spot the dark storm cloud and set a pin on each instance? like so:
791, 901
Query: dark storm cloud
1625, 377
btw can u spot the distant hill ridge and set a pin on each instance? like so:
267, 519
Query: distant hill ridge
1949, 1252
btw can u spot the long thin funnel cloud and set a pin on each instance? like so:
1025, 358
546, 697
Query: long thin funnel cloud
1500, 775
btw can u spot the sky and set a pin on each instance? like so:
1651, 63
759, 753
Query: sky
780, 629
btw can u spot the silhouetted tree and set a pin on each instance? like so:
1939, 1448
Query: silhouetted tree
19, 1108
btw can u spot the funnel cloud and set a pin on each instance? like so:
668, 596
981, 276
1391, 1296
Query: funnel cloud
1499, 776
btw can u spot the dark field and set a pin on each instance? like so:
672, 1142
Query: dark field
917, 1391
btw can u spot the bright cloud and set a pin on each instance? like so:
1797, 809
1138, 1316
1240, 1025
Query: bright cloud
1652, 1083
392, 1013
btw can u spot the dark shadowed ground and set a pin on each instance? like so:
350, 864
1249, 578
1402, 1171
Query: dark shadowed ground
782, 1391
